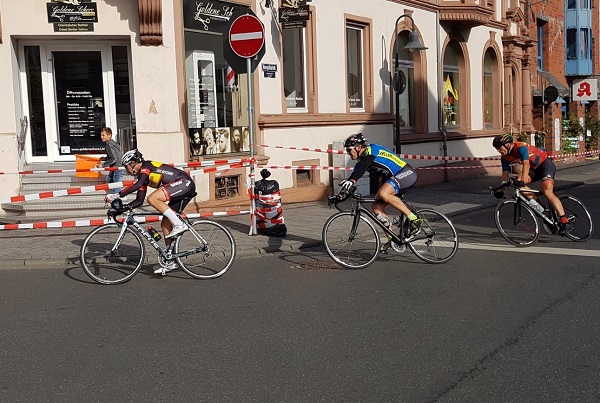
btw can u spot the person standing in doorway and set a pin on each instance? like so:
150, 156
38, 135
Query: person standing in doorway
112, 159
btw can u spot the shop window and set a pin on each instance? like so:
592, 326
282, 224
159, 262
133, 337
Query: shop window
37, 124
406, 74
294, 68
217, 99
355, 67
125, 119
452, 91
490, 73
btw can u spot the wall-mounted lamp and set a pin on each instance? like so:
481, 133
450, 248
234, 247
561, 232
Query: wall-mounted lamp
584, 102
414, 44
560, 101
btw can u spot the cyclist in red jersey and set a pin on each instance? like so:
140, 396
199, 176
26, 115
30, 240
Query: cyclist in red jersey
172, 186
536, 166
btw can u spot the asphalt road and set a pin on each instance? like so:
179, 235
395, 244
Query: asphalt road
493, 325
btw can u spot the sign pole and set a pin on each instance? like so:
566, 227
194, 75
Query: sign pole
251, 133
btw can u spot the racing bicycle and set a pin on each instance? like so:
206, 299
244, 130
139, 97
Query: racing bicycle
517, 223
114, 252
352, 240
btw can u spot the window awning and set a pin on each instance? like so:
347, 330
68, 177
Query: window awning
553, 81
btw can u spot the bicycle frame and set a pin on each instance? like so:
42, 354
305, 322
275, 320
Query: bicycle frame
164, 252
519, 196
359, 209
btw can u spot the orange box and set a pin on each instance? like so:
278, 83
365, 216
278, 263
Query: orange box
83, 162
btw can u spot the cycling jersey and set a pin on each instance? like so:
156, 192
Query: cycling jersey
523, 152
175, 183
378, 160
383, 163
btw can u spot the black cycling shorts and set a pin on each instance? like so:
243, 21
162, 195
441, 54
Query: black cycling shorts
544, 172
176, 191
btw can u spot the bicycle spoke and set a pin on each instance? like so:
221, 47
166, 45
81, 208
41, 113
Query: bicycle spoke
106, 266
355, 252
522, 231
213, 250
579, 217
437, 240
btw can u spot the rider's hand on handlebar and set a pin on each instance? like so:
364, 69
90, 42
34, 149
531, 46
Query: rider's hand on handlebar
519, 183
346, 184
111, 197
498, 194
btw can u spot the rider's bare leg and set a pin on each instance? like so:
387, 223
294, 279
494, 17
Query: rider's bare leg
158, 200
387, 196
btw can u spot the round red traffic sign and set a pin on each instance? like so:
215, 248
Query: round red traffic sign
246, 36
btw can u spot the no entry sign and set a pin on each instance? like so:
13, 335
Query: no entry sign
246, 36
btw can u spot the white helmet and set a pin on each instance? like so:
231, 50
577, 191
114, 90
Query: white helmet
131, 155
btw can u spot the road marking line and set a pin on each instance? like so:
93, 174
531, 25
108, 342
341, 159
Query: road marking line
533, 249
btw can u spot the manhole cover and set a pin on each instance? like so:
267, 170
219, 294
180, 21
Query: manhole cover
316, 265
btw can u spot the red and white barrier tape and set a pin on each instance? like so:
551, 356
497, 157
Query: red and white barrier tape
104, 186
191, 164
306, 167
426, 157
102, 221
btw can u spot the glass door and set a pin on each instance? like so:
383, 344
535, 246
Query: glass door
68, 96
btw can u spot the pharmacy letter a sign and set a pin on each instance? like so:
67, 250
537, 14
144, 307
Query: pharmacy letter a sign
585, 89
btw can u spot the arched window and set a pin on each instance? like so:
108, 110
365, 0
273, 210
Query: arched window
451, 95
490, 89
405, 73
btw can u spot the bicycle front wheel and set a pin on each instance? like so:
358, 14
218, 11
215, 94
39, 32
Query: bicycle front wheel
353, 251
437, 240
518, 229
579, 217
211, 250
106, 266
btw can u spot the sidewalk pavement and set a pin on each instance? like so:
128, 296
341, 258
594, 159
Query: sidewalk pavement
43, 248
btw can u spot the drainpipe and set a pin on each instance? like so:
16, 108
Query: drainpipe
440, 78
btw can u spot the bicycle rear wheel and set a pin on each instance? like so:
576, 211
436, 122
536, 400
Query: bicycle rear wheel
107, 267
579, 217
519, 231
356, 252
212, 249
437, 240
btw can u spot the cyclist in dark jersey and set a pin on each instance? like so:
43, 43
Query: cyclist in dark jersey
398, 176
172, 186
536, 166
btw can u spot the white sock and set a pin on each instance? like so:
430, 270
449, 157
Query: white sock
170, 214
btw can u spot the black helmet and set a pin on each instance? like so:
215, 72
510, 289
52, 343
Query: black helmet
354, 140
131, 155
502, 139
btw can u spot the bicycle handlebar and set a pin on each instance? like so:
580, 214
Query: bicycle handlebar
343, 195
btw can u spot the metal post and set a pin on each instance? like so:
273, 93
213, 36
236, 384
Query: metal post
396, 68
251, 133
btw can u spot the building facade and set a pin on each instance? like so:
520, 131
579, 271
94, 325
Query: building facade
161, 73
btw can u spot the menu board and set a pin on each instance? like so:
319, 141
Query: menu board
80, 101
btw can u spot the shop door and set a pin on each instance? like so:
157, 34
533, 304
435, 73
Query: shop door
70, 93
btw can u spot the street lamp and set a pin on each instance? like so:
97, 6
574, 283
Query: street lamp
414, 44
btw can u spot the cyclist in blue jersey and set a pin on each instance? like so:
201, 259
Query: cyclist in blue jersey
396, 174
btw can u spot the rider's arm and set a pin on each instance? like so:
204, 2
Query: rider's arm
139, 186
524, 154
361, 167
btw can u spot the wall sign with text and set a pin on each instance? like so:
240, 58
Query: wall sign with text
72, 15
